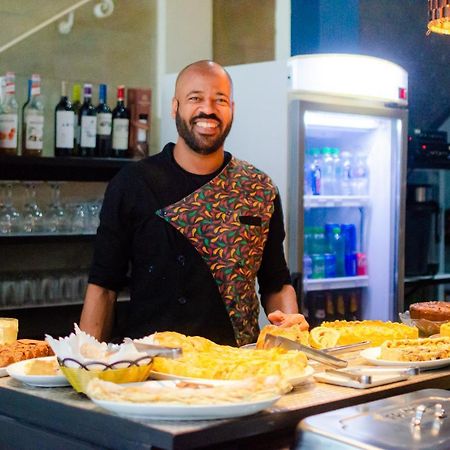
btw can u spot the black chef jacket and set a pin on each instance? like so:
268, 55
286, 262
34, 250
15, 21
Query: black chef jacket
171, 287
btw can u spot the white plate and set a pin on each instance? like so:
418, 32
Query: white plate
17, 371
372, 355
295, 381
161, 411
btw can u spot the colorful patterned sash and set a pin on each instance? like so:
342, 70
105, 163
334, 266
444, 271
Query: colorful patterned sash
227, 221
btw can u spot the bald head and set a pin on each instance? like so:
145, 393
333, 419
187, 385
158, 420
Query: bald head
203, 67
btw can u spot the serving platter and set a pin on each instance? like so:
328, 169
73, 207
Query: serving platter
174, 411
18, 371
372, 355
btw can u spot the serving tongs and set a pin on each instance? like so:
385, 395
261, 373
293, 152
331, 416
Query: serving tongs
364, 375
156, 350
348, 347
271, 341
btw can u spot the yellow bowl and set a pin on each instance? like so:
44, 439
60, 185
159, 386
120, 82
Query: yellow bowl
79, 377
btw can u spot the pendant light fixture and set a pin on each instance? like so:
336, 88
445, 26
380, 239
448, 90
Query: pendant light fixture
438, 16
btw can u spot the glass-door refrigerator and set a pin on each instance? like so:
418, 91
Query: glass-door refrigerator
347, 128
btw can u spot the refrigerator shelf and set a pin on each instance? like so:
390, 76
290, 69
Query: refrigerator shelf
335, 201
322, 284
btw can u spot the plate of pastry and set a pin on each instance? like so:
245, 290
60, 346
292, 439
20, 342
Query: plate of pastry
40, 372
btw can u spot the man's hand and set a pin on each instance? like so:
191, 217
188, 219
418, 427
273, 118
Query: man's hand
284, 320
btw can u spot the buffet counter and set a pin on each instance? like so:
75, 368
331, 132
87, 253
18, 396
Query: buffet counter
56, 418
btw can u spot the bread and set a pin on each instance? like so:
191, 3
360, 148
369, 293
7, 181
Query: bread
434, 311
374, 331
416, 350
293, 332
23, 349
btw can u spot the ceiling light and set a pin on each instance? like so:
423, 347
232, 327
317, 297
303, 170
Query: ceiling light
439, 16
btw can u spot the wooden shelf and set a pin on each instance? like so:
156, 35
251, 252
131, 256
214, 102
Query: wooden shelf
59, 169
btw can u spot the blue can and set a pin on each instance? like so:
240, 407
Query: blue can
330, 265
348, 232
350, 265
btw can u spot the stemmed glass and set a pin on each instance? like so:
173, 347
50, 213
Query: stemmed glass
33, 218
9, 216
56, 217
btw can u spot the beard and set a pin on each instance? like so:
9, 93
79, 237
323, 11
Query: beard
203, 145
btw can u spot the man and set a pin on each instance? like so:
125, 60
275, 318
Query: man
196, 226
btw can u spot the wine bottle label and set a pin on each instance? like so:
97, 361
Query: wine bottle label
65, 129
104, 124
34, 132
142, 133
88, 131
120, 134
8, 130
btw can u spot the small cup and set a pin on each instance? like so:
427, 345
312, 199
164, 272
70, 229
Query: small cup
9, 328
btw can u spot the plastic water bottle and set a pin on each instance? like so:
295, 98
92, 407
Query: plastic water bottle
346, 174
307, 177
328, 180
307, 266
315, 172
338, 245
337, 170
360, 175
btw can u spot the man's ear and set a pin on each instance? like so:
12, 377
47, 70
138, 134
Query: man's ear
174, 107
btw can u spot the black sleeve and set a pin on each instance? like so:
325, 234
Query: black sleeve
112, 244
274, 273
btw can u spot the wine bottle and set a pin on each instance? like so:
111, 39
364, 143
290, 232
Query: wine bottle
64, 124
23, 112
104, 124
9, 117
120, 125
34, 120
76, 105
87, 121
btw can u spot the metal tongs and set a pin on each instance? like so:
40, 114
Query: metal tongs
156, 350
271, 341
365, 375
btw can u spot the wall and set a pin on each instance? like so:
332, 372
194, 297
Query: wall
119, 49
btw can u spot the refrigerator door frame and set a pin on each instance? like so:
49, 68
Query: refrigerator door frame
298, 103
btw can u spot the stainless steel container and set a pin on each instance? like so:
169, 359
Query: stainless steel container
415, 421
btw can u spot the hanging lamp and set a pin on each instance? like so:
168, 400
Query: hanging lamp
439, 16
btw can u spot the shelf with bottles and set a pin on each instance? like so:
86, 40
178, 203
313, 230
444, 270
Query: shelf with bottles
336, 283
79, 128
336, 201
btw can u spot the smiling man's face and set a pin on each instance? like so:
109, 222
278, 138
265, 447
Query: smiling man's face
203, 107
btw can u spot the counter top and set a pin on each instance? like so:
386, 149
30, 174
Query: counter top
60, 416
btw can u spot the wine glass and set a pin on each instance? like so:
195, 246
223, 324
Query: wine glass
56, 217
9, 216
33, 218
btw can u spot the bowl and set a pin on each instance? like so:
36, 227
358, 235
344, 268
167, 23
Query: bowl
126, 371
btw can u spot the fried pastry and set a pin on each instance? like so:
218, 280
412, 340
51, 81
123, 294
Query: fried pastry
23, 349
416, 350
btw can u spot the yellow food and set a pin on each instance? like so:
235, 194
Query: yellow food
293, 332
205, 359
415, 350
42, 367
374, 331
323, 337
445, 329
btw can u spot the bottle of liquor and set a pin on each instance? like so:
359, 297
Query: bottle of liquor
64, 124
23, 112
87, 121
76, 105
8, 117
104, 124
120, 125
34, 120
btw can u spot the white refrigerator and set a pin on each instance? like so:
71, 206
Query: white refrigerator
290, 117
